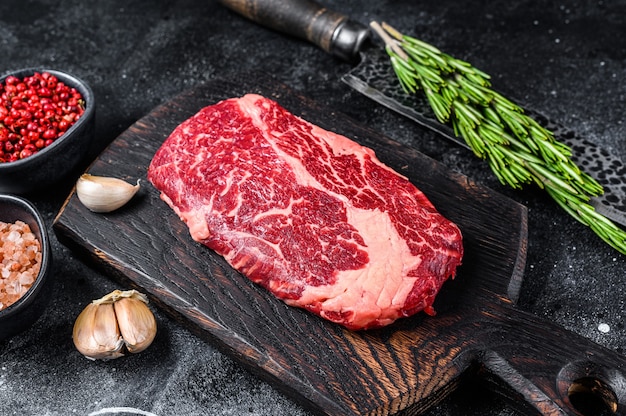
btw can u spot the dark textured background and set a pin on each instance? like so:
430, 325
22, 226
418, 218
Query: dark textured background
566, 59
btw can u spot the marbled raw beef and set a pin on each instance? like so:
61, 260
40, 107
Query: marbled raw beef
310, 215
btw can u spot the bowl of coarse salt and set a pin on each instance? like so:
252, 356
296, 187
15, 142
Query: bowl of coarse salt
25, 265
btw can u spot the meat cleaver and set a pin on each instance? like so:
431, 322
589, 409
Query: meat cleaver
347, 39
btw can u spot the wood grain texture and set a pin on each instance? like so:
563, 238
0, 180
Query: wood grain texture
406, 367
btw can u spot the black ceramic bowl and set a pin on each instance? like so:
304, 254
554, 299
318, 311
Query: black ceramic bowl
20, 315
52, 163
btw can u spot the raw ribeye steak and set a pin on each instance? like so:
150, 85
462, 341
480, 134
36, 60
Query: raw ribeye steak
308, 214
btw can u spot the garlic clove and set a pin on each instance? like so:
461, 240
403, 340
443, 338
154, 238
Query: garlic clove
96, 334
136, 322
119, 322
104, 194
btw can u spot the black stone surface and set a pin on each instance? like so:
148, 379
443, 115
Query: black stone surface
566, 59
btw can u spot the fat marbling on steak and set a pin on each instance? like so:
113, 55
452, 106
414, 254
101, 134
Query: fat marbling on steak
310, 215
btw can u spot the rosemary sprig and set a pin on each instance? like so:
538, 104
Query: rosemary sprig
516, 147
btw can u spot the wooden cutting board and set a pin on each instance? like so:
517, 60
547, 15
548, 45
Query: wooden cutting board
407, 366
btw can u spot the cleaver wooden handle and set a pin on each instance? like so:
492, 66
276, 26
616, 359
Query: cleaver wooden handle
334, 32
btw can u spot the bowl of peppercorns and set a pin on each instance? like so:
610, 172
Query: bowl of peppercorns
47, 120
25, 265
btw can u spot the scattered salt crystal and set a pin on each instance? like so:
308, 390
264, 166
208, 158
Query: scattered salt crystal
604, 328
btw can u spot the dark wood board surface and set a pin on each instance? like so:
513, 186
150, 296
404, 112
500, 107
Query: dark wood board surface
407, 366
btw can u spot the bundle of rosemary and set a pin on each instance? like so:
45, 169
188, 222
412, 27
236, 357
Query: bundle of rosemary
517, 148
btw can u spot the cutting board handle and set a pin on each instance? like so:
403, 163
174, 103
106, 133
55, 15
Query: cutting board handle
548, 369
308, 20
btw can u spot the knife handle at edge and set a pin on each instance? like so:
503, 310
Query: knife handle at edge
334, 32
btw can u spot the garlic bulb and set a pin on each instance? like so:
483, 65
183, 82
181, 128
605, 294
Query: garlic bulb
117, 323
104, 194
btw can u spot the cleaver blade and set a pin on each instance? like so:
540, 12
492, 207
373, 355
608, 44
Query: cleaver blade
348, 39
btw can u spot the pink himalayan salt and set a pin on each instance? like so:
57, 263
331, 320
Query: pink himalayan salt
20, 261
